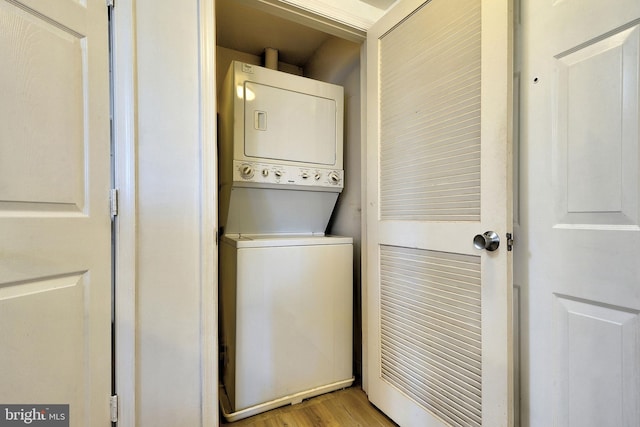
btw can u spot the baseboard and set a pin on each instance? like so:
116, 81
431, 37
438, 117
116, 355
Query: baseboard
293, 399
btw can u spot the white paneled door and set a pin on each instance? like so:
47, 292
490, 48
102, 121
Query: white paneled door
55, 238
439, 174
580, 253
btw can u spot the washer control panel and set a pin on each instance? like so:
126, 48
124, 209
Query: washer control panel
267, 173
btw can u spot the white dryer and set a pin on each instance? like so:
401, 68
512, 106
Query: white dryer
281, 165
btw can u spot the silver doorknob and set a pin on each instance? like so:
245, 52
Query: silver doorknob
489, 241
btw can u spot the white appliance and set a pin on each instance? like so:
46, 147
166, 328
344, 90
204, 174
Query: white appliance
280, 151
286, 315
285, 287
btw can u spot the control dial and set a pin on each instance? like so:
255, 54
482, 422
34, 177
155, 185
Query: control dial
334, 177
265, 172
317, 176
246, 171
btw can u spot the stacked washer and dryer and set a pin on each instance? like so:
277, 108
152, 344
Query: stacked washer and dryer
285, 286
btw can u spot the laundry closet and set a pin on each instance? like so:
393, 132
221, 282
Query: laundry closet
290, 310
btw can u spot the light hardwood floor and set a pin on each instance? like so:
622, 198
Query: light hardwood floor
343, 408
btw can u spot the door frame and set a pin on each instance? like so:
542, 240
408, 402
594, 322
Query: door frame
123, 57
124, 136
125, 164
125, 161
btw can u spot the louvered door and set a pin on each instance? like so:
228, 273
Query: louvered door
439, 310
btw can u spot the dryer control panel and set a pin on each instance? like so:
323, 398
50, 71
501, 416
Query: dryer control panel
267, 173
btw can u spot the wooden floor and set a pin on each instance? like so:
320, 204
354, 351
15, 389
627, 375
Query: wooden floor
344, 408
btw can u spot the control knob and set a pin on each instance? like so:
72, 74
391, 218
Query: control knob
317, 176
265, 172
246, 171
305, 175
334, 177
278, 173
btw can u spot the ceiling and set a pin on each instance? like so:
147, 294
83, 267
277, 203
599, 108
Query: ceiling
241, 26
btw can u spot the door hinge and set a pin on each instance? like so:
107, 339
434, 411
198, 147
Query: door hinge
509, 242
113, 205
110, 3
113, 407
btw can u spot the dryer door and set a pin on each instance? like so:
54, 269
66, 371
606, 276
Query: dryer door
281, 124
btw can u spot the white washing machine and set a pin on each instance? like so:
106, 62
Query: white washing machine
286, 315
285, 288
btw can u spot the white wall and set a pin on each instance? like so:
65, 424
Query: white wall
172, 282
168, 204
